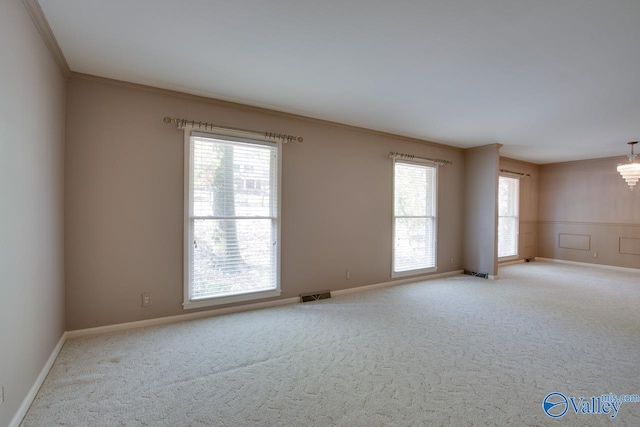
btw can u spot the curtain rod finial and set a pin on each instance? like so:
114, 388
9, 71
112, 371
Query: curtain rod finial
167, 119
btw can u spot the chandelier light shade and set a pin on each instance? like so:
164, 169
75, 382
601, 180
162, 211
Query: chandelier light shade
630, 171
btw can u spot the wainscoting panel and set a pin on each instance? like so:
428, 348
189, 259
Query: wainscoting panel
528, 245
614, 244
629, 245
581, 242
527, 240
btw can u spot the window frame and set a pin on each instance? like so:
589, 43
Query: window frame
425, 270
515, 256
188, 232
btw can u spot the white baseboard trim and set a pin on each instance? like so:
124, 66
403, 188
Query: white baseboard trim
180, 317
588, 264
33, 391
395, 282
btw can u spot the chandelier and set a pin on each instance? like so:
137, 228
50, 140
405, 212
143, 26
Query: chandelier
630, 171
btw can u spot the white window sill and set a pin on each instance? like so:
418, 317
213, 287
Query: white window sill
407, 273
209, 302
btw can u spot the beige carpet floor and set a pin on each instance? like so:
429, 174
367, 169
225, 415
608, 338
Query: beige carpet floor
460, 351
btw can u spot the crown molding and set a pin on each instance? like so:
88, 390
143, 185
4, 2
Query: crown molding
478, 147
38, 18
520, 162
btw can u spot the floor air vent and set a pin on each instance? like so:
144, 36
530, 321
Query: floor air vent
476, 274
315, 296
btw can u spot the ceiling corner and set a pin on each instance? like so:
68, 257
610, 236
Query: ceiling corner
40, 21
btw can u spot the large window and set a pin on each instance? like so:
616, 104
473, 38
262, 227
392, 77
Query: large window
414, 218
231, 220
508, 201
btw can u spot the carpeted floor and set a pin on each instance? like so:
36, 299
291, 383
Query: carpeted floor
459, 351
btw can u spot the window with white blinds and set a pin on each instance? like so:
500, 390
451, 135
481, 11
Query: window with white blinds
232, 220
508, 219
414, 217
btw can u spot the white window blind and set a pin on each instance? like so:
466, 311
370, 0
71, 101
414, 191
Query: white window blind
414, 228
508, 216
232, 219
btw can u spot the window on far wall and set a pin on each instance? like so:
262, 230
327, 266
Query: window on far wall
508, 202
414, 218
231, 229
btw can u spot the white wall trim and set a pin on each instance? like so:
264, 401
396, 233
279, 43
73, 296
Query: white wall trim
212, 302
180, 317
33, 391
395, 282
588, 264
49, 39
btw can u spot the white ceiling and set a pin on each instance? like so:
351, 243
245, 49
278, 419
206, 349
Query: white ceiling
551, 80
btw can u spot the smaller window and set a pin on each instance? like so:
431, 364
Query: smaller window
414, 222
508, 216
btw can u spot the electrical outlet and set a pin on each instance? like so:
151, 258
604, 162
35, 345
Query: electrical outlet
595, 254
451, 260
146, 299
347, 275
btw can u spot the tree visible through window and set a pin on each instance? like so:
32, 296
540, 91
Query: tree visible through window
232, 227
414, 227
508, 219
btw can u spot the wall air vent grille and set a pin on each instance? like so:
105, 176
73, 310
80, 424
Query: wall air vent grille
315, 296
476, 274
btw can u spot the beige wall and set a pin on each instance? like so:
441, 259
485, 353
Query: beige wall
586, 208
480, 206
124, 194
528, 232
32, 92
